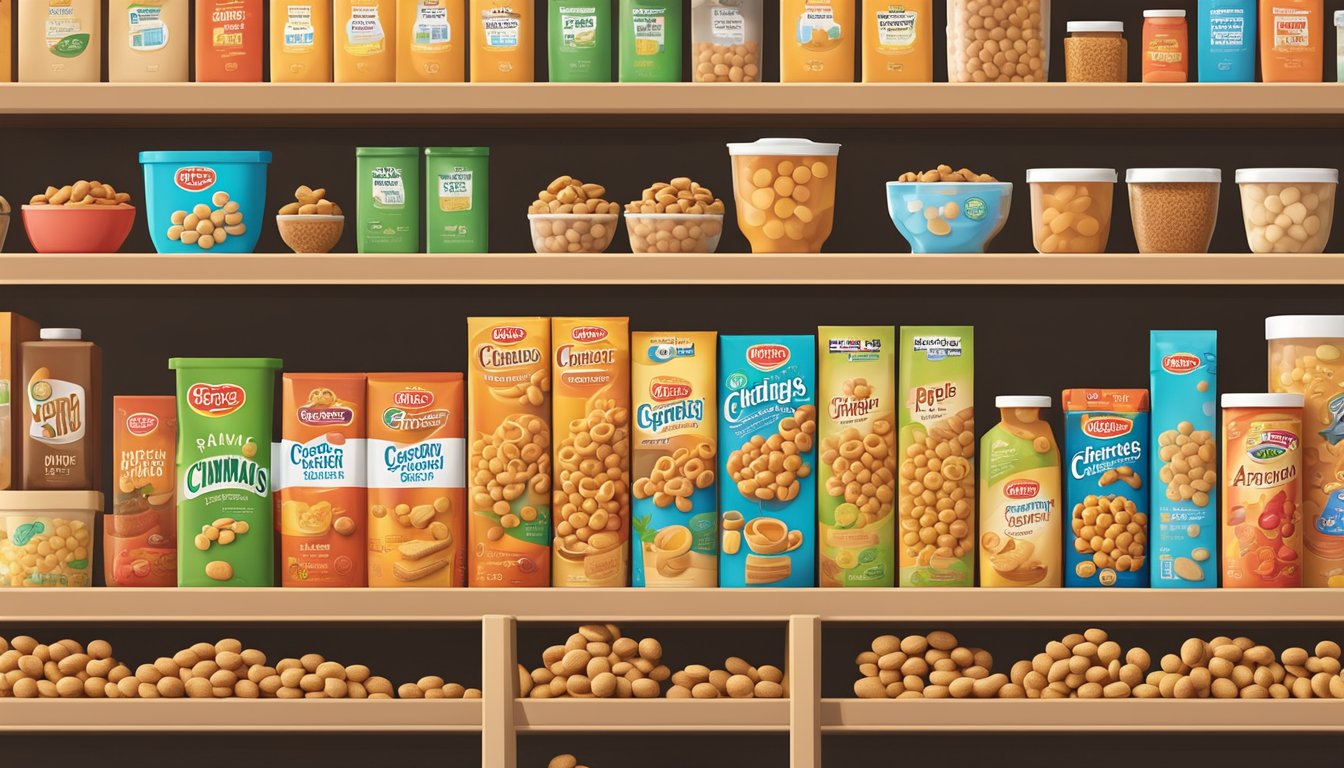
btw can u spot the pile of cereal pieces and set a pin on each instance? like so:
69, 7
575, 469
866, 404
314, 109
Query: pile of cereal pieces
738, 679
569, 195
1238, 668
728, 63
206, 226
79, 194
1082, 666
944, 174
565, 761
597, 662
932, 666
311, 202
680, 195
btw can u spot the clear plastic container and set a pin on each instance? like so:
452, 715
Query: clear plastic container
572, 232
1174, 210
785, 193
726, 37
674, 232
998, 41
1288, 210
1096, 52
46, 538
1071, 208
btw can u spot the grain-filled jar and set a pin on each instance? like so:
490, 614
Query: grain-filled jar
1166, 46
1262, 490
1174, 210
1096, 52
726, 37
1071, 208
785, 192
1288, 210
998, 41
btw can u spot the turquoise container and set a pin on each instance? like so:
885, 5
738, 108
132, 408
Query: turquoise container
1226, 41
180, 181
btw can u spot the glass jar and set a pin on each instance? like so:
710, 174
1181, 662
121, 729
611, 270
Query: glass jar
1071, 208
726, 40
1096, 52
1174, 209
785, 192
978, 37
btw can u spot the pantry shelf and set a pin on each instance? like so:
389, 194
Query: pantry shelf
241, 715
613, 715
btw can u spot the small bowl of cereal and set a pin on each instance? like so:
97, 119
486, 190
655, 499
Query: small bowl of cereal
84, 217
312, 223
572, 217
677, 216
947, 211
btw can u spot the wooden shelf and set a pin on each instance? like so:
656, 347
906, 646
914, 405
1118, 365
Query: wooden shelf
245, 715
691, 269
615, 715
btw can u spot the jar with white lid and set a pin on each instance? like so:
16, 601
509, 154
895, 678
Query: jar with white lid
1288, 210
1174, 210
1071, 208
1096, 52
785, 193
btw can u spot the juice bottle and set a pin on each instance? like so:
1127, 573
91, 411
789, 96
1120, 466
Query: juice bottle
229, 41
1292, 41
650, 32
501, 41
148, 41
1262, 492
1020, 490
60, 41
62, 446
301, 41
364, 35
431, 41
816, 42
1166, 47
579, 42
6, 41
897, 41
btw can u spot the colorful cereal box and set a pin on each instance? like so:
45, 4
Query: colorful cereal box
676, 517
1262, 490
1105, 463
767, 461
140, 534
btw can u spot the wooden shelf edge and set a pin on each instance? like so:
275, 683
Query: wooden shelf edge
610, 715
247, 715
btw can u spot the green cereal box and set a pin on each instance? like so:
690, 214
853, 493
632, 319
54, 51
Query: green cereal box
937, 453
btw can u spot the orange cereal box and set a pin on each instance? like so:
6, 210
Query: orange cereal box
140, 534
509, 402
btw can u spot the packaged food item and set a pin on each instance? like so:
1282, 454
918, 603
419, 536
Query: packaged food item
767, 458
388, 208
1166, 46
650, 32
431, 41
785, 190
898, 41
856, 397
6, 46
229, 41
1183, 460
947, 211
1174, 210
366, 31
457, 193
1096, 52
149, 41
57, 523
726, 39
140, 533
676, 518
1292, 41
569, 216
579, 42
312, 223
60, 41
200, 201
225, 518
417, 480
1288, 210
509, 431
501, 41
1105, 449
1306, 357
816, 41
591, 411
1071, 208
1020, 493
1025, 22
936, 446
1226, 33
15, 329
1262, 493
62, 422
301, 33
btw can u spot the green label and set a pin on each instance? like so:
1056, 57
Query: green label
72, 46
975, 209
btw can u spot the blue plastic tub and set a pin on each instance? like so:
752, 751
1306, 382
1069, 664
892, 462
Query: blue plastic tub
936, 217
176, 183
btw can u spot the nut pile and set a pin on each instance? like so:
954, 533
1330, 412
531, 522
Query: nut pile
597, 662
680, 195
311, 202
932, 666
569, 196
1082, 666
206, 226
728, 63
80, 193
1112, 530
944, 174
565, 761
738, 679
998, 41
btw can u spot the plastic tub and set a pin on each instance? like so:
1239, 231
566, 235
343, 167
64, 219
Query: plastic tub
310, 233
785, 193
938, 217
182, 182
726, 40
85, 229
674, 232
1174, 210
1071, 208
1288, 210
974, 54
572, 232
46, 538
1096, 52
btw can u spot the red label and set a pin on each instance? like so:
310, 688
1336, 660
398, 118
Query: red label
507, 334
195, 178
665, 389
141, 424
1180, 363
767, 357
216, 400
588, 334
1107, 426
1022, 489
413, 398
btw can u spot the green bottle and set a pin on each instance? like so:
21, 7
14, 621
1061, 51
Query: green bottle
389, 199
650, 41
457, 199
580, 41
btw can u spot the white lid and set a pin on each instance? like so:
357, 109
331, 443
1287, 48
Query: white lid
1022, 401
773, 147
46, 502
1287, 175
1263, 400
1174, 176
61, 334
1083, 175
1304, 327
1096, 26
1164, 13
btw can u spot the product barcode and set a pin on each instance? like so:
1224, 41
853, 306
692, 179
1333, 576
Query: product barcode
150, 38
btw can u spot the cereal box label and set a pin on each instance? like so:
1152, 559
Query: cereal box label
142, 424
1181, 363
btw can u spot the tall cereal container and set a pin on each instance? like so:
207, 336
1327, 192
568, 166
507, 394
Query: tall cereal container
301, 34
431, 41
60, 41
365, 41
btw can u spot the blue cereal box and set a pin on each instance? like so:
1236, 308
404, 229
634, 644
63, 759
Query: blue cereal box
767, 461
1105, 449
1183, 460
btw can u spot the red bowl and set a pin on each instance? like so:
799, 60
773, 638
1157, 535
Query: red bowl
82, 229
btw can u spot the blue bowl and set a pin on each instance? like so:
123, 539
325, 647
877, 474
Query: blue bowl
936, 217
180, 181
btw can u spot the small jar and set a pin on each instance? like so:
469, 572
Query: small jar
1166, 46
1174, 209
1096, 52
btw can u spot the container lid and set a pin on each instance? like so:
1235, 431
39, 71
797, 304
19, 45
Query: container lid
1174, 176
1165, 13
1084, 175
387, 151
1263, 400
179, 363
1097, 26
1287, 175
1022, 401
1304, 327
60, 334
43, 502
218, 156
771, 147
458, 151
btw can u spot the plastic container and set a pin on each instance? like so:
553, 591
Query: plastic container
1071, 208
1166, 47
229, 41
1262, 490
579, 41
1174, 210
726, 40
365, 41
936, 217
389, 200
1292, 41
572, 232
1288, 210
968, 35
898, 41
149, 41
181, 182
674, 232
457, 199
501, 41
1226, 41
785, 193
47, 520
1096, 52
431, 41
650, 33
1021, 490
60, 41
816, 41
86, 229
301, 41
310, 233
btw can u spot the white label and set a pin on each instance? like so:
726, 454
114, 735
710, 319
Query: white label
431, 29
455, 191
727, 26
1291, 28
649, 25
364, 32
320, 464
148, 32
299, 34
578, 26
817, 19
501, 29
389, 190
896, 29
58, 411
61, 23
438, 463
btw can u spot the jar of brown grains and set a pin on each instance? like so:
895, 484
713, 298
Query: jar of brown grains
1096, 52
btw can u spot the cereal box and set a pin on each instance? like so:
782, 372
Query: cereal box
140, 534
1262, 490
936, 444
509, 428
676, 517
591, 412
1105, 460
321, 481
768, 458
417, 480
856, 396
1183, 459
